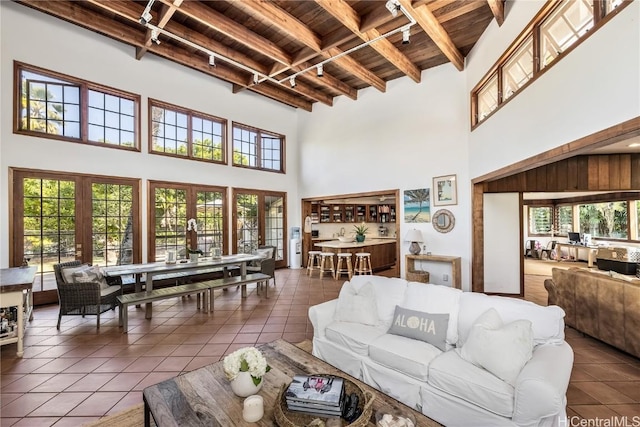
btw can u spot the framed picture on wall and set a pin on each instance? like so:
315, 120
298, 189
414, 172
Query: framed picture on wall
445, 190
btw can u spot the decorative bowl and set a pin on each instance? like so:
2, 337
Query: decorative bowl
346, 239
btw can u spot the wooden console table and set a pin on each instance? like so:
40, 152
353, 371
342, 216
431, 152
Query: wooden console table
455, 261
15, 291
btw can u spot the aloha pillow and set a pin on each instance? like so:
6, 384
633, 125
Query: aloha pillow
91, 274
418, 325
357, 306
501, 349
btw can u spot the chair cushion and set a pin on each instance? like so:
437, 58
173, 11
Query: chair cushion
67, 272
90, 275
404, 355
109, 290
454, 375
354, 336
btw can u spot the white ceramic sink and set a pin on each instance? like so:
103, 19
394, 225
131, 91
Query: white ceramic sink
346, 239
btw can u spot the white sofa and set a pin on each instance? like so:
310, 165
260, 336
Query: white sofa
441, 384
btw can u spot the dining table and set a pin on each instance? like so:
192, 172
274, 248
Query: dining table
180, 268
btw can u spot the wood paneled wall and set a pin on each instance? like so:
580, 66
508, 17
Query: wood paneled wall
602, 172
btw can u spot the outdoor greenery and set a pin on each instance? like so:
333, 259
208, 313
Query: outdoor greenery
604, 219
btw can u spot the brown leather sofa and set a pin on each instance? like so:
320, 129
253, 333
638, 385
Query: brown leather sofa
604, 307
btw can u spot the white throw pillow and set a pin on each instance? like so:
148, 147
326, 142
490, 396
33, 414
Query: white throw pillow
89, 275
501, 349
357, 306
68, 272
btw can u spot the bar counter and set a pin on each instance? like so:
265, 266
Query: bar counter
383, 251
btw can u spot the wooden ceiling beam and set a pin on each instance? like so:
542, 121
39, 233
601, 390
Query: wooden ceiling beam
293, 27
348, 63
344, 13
217, 21
497, 8
436, 32
275, 94
76, 14
131, 12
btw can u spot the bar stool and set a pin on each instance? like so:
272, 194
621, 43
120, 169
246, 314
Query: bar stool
326, 264
313, 264
363, 263
348, 269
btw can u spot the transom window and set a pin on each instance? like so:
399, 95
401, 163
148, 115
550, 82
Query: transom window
182, 132
257, 149
58, 106
558, 28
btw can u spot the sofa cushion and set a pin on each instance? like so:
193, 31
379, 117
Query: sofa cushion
357, 306
547, 322
389, 293
404, 355
501, 349
435, 299
354, 336
451, 374
419, 325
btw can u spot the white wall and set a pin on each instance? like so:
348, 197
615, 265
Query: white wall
594, 87
35, 38
501, 244
398, 139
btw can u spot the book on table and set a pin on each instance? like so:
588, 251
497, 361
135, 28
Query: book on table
316, 394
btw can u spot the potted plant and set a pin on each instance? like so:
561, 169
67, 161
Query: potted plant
193, 253
361, 230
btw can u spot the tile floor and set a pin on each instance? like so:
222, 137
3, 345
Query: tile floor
78, 374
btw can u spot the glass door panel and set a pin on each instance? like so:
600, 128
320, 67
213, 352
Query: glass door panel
48, 227
248, 237
210, 219
260, 220
170, 223
112, 223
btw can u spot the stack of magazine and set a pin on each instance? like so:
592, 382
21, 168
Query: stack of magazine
316, 395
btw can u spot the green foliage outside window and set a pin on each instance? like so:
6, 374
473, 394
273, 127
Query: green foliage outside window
606, 220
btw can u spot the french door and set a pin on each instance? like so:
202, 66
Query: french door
259, 219
60, 217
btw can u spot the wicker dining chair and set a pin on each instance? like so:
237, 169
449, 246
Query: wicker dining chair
265, 266
85, 298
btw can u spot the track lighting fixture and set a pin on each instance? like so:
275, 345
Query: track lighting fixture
146, 17
292, 81
320, 70
255, 79
154, 36
393, 7
212, 60
405, 35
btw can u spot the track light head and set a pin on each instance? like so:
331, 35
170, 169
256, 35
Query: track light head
212, 60
292, 81
255, 79
320, 70
154, 36
393, 7
406, 33
146, 17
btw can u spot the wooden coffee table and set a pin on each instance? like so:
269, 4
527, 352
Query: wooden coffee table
203, 397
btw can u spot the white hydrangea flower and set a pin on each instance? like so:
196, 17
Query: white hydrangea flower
256, 363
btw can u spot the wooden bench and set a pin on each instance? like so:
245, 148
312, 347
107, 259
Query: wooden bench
181, 290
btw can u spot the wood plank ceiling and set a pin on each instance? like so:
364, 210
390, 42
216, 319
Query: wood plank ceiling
260, 45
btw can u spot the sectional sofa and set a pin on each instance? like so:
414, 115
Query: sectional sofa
462, 358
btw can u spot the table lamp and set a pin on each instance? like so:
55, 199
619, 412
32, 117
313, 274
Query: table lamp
415, 237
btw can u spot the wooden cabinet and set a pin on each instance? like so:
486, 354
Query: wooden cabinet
372, 213
361, 213
349, 213
337, 213
325, 213
385, 213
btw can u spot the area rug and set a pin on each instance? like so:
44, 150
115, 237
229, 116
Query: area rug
134, 416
